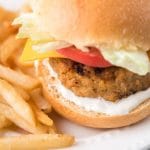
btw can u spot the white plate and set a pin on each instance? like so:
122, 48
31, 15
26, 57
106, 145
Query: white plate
136, 137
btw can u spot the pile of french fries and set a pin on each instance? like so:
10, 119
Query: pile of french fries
22, 105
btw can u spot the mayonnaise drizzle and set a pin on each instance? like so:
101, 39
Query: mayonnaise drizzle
99, 105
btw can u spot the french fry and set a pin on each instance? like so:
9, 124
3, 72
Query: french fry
37, 142
39, 101
29, 71
4, 122
8, 47
9, 113
21, 101
52, 129
41, 116
25, 66
18, 78
21, 107
2, 100
2, 14
6, 29
6, 15
25, 95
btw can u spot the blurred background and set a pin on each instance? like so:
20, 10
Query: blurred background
10, 4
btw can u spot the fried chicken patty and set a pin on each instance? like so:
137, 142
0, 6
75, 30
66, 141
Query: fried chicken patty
111, 83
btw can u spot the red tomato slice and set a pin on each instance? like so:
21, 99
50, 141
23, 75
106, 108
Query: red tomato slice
92, 58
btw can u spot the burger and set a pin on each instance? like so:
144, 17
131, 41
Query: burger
92, 58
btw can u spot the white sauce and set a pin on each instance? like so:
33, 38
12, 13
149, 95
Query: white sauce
99, 105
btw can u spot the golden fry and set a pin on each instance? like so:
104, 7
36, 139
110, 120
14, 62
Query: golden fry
41, 116
6, 15
25, 95
21, 107
17, 87
9, 113
8, 47
29, 71
53, 129
39, 101
37, 142
18, 78
6, 29
4, 122
25, 66
2, 100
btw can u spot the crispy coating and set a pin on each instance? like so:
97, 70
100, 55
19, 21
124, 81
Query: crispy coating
111, 83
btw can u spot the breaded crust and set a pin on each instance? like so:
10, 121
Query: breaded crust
90, 119
111, 83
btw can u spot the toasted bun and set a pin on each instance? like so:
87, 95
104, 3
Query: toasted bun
91, 22
91, 119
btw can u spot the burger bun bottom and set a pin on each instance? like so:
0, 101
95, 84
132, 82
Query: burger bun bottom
80, 116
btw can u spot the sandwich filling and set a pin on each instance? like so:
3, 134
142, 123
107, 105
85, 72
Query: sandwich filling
98, 104
130, 57
111, 83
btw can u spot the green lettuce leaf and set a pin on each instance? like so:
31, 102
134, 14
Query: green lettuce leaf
134, 60
30, 28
